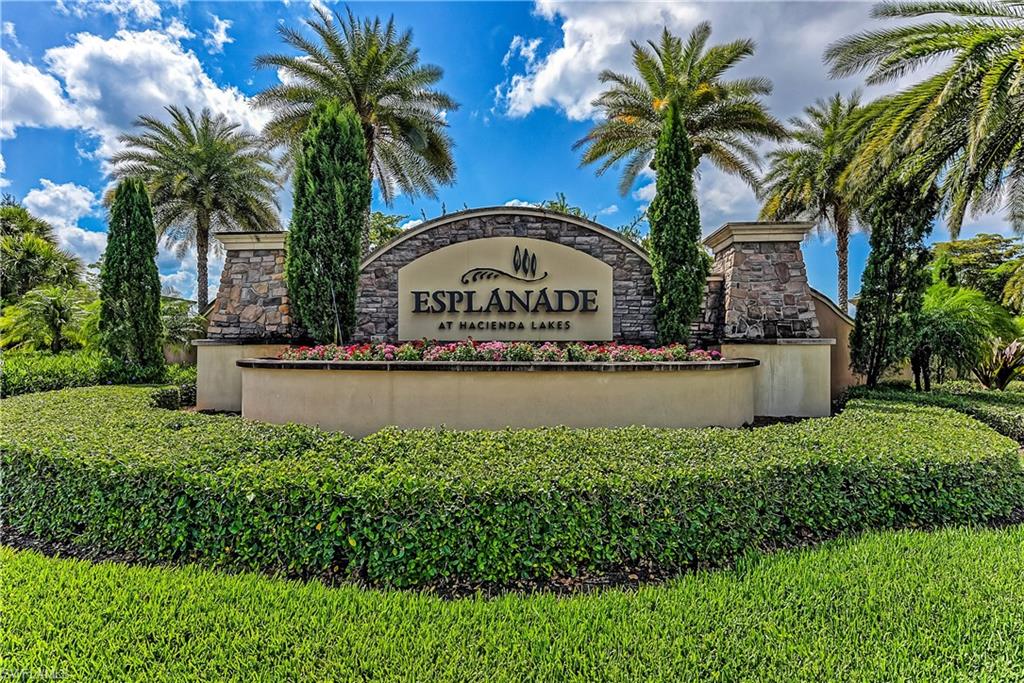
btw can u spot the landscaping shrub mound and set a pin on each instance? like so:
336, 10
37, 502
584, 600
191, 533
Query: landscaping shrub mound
1003, 411
102, 466
30, 372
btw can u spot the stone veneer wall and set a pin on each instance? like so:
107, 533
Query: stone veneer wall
633, 288
757, 290
765, 291
252, 302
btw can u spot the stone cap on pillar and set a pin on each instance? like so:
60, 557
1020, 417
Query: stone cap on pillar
756, 231
236, 241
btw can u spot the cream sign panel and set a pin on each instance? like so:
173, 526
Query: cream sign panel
506, 288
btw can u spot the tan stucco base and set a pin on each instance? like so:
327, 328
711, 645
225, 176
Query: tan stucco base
360, 402
793, 379
219, 381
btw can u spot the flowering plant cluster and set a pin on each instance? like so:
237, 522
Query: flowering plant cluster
471, 350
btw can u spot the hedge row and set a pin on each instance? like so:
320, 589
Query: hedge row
101, 466
30, 372
1003, 411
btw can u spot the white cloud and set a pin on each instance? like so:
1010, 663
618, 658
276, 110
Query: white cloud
178, 30
63, 206
521, 47
519, 202
30, 98
111, 81
4, 182
608, 210
595, 36
10, 34
217, 35
412, 223
143, 11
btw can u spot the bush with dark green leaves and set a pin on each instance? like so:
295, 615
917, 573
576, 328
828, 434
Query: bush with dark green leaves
1003, 411
679, 263
101, 466
30, 372
129, 324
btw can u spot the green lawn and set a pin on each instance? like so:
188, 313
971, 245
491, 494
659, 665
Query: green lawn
939, 606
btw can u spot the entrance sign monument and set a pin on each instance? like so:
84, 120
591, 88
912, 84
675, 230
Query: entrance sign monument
523, 274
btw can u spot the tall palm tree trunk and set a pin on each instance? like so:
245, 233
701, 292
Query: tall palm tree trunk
368, 135
843, 258
202, 252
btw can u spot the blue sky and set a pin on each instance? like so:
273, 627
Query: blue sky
76, 74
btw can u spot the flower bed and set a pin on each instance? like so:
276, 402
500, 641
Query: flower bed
470, 350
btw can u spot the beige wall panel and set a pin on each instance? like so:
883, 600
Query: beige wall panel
219, 380
793, 379
360, 402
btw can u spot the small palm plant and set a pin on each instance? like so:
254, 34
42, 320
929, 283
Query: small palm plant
204, 174
805, 179
953, 331
724, 119
49, 317
1002, 363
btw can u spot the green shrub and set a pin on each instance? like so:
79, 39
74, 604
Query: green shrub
100, 466
184, 377
29, 372
1003, 411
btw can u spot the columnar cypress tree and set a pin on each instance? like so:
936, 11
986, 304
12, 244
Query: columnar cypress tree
332, 196
894, 281
679, 263
130, 326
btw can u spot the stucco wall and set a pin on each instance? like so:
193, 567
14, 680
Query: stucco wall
836, 325
360, 402
792, 379
218, 379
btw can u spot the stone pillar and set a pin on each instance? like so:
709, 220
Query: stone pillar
252, 303
250, 317
765, 292
768, 313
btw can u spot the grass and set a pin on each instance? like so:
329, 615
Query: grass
942, 606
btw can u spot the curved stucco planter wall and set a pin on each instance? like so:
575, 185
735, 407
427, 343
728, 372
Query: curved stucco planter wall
361, 398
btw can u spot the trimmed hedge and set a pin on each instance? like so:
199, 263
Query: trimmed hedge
25, 372
896, 606
1003, 411
100, 466
31, 372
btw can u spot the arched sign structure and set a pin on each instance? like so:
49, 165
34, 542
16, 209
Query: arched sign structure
507, 273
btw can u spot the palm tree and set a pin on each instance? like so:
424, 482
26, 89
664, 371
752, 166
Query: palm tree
965, 124
725, 119
47, 317
30, 255
203, 174
955, 328
805, 179
370, 65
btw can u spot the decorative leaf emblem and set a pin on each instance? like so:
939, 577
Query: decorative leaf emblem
524, 265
